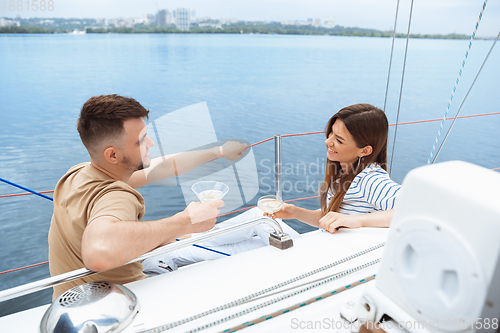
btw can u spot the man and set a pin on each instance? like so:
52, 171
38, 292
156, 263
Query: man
97, 211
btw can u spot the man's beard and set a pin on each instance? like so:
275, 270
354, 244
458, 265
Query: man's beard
140, 166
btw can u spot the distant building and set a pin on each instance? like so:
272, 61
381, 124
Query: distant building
228, 20
330, 23
148, 19
126, 23
317, 22
6, 22
183, 19
129, 22
138, 20
161, 19
296, 23
164, 19
170, 19
210, 25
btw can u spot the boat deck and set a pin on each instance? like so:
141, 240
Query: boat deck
194, 289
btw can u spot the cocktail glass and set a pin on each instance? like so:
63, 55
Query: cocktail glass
209, 190
269, 204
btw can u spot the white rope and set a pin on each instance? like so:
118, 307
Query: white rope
261, 292
283, 297
456, 83
462, 104
401, 88
392, 51
300, 304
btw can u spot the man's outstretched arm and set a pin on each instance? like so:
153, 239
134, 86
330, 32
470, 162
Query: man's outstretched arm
109, 242
178, 164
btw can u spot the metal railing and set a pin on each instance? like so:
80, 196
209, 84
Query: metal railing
277, 167
83, 272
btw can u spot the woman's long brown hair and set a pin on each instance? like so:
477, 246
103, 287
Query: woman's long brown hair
368, 125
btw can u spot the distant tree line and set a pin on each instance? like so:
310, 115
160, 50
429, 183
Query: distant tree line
30, 29
272, 28
240, 27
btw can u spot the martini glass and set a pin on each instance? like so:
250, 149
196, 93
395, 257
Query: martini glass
269, 204
209, 190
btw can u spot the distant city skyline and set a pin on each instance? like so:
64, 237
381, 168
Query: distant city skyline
429, 16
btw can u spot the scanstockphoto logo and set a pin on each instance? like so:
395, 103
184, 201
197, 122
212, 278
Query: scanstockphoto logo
185, 140
299, 177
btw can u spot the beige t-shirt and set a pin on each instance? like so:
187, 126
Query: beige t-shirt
81, 195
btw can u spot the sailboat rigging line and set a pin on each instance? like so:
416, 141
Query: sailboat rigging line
26, 189
284, 136
404, 123
392, 51
299, 134
258, 143
264, 291
462, 104
450, 118
456, 83
401, 88
207, 248
19, 194
296, 306
20, 268
299, 305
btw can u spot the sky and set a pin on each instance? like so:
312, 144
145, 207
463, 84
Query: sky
429, 16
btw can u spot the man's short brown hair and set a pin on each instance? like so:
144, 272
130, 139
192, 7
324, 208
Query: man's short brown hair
102, 118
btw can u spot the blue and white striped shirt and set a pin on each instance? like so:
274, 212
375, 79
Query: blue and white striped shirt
372, 190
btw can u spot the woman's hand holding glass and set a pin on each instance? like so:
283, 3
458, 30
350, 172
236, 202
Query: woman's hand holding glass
286, 212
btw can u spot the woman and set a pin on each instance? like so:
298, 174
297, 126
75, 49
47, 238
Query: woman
357, 191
